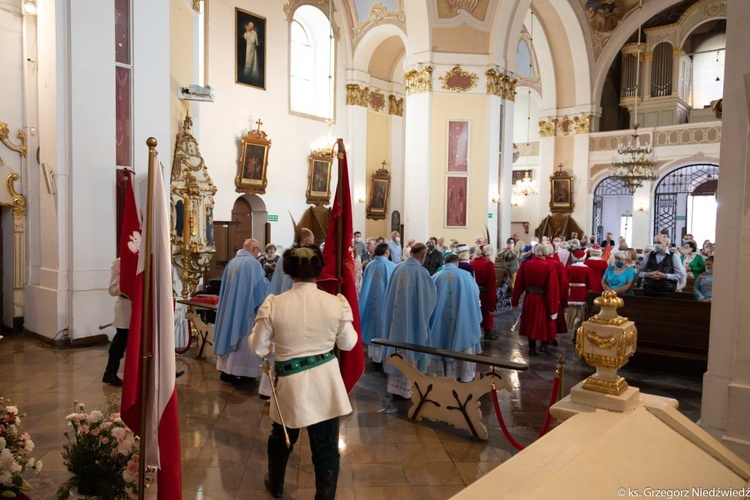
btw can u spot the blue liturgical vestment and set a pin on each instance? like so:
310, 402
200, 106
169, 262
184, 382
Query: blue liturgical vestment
281, 282
243, 288
410, 300
372, 298
455, 322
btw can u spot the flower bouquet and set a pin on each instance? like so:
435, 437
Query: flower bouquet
14, 453
102, 455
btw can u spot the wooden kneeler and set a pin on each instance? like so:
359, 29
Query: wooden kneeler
443, 399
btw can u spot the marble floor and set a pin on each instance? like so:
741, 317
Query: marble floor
224, 428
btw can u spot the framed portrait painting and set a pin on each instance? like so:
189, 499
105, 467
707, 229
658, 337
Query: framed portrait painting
319, 180
561, 191
378, 206
253, 165
250, 49
518, 175
458, 146
456, 204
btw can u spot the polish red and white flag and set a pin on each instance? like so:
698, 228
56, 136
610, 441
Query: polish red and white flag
162, 433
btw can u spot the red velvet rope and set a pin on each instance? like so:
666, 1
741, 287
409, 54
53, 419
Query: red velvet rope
547, 420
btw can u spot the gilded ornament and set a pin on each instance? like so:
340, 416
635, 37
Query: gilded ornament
418, 80
357, 96
376, 99
192, 193
647, 56
606, 341
395, 105
459, 80
582, 124
4, 137
547, 128
19, 211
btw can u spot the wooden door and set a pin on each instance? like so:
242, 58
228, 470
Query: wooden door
242, 227
229, 236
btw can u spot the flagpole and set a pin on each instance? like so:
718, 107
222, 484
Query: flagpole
340, 220
146, 353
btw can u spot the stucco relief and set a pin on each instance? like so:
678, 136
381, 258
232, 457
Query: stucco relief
395, 105
418, 80
363, 15
451, 8
699, 135
610, 142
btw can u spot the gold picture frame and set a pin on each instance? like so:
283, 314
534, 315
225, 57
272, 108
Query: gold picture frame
319, 179
380, 187
253, 165
561, 191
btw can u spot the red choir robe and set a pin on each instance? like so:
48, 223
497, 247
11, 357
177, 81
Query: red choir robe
484, 273
536, 321
580, 280
598, 266
562, 280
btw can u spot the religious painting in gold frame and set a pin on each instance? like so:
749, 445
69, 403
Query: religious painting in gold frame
253, 165
379, 190
319, 179
561, 191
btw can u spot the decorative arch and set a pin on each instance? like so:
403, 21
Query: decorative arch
371, 41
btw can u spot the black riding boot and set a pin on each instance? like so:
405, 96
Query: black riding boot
543, 348
325, 483
278, 456
532, 347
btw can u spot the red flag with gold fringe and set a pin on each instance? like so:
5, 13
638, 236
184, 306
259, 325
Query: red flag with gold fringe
338, 247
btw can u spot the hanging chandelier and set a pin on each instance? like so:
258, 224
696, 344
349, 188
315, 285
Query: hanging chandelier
635, 164
525, 186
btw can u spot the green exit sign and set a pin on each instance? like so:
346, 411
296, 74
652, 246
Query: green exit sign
489, 215
273, 218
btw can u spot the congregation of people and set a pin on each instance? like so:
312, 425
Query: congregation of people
432, 295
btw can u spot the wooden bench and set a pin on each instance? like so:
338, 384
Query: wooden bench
447, 400
675, 328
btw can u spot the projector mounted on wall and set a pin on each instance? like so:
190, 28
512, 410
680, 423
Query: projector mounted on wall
196, 93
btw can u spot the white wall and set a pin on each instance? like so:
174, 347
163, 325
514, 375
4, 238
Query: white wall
237, 107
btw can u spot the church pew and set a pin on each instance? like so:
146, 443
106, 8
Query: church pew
674, 328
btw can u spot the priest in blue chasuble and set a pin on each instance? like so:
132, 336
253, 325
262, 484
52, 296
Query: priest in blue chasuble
375, 282
243, 288
410, 300
456, 321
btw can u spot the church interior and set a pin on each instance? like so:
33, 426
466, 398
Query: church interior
460, 118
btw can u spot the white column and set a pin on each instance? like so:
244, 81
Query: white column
357, 159
397, 166
503, 183
417, 119
726, 384
580, 168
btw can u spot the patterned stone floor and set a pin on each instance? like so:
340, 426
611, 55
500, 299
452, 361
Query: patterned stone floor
224, 428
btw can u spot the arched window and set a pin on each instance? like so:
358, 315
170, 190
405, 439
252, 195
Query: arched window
685, 202
706, 46
311, 63
613, 209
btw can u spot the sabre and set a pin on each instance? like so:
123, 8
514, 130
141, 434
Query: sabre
266, 367
515, 325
